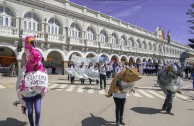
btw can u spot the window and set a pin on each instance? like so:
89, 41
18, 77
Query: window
6, 17
150, 46
114, 39
54, 26
75, 31
31, 21
90, 34
123, 41
139, 44
103, 37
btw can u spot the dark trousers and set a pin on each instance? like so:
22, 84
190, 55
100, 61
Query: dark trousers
108, 73
119, 103
72, 79
193, 79
168, 101
82, 80
102, 77
33, 102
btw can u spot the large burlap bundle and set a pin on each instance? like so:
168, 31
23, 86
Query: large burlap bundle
126, 75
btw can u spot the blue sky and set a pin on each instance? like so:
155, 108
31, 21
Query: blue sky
148, 14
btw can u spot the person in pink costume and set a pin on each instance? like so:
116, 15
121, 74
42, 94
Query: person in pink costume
33, 84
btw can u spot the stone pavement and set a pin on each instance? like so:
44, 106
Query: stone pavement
144, 88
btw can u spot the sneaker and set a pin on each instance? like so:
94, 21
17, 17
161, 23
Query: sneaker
170, 113
117, 124
163, 108
122, 123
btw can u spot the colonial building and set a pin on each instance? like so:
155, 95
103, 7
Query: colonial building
63, 28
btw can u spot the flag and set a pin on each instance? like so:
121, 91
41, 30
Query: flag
162, 34
168, 37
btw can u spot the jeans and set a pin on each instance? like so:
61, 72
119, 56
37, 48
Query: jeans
119, 103
36, 102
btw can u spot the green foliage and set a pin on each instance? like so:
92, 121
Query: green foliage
190, 12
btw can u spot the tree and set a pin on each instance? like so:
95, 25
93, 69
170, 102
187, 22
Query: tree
190, 12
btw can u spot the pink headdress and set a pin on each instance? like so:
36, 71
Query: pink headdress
33, 55
30, 42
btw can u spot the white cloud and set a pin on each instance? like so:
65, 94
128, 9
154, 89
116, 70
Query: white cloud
128, 12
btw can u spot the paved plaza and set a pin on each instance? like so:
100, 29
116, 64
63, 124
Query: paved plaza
85, 105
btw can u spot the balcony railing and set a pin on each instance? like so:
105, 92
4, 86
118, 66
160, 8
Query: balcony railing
9, 31
104, 45
76, 41
56, 37
39, 34
115, 46
92, 43
125, 48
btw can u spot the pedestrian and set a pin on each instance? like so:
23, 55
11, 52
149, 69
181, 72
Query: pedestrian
13, 69
30, 91
192, 76
71, 77
102, 71
121, 84
82, 68
91, 68
165, 82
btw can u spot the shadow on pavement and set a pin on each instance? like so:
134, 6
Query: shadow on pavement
144, 110
96, 121
12, 122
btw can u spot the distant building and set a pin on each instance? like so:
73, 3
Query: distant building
63, 28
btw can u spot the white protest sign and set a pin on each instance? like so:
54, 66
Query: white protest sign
36, 78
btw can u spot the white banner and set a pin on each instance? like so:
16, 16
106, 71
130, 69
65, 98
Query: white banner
78, 60
80, 73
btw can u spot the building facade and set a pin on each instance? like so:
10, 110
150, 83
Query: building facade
63, 28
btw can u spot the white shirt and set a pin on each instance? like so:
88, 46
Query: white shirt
127, 87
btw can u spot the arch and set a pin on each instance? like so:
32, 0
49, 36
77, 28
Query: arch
123, 41
139, 44
114, 57
54, 62
103, 36
57, 18
132, 60
104, 55
54, 26
132, 41
11, 7
155, 61
144, 44
150, 61
77, 53
34, 12
160, 61
151, 46
144, 59
90, 54
124, 59
114, 39
75, 30
90, 33
138, 60
7, 56
51, 50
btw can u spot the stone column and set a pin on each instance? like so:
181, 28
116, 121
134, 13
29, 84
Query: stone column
18, 67
62, 66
